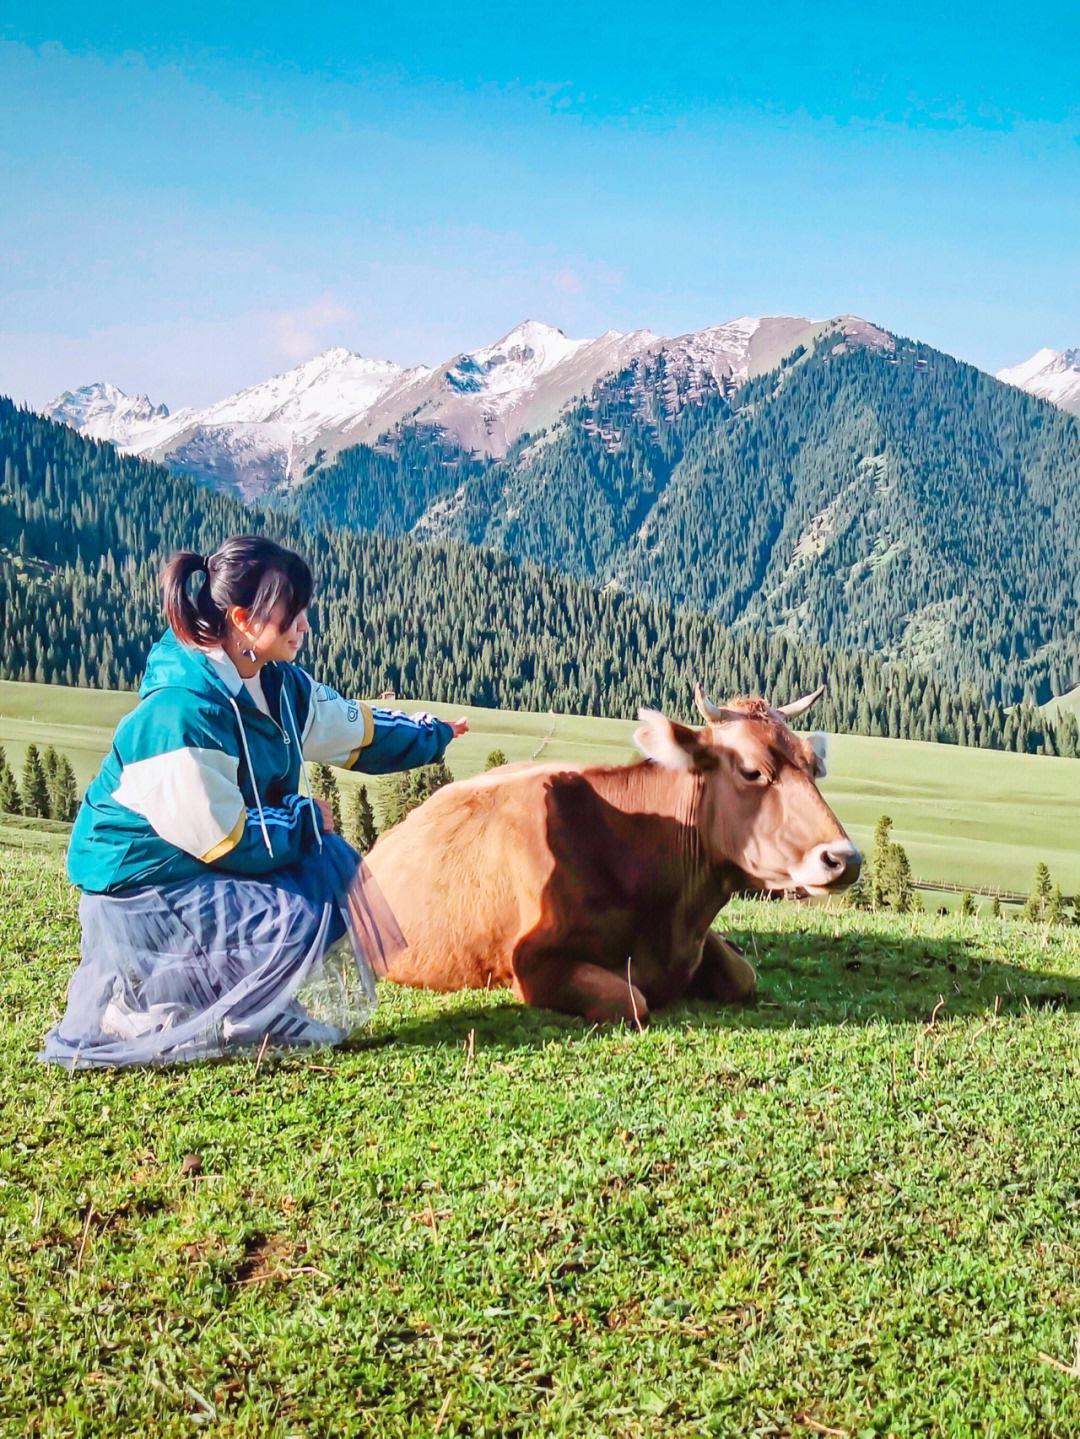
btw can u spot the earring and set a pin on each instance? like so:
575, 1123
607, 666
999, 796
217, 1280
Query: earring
250, 656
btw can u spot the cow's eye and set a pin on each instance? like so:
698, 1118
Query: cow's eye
752, 776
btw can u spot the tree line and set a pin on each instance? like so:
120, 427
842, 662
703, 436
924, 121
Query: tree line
83, 533
886, 884
854, 497
48, 789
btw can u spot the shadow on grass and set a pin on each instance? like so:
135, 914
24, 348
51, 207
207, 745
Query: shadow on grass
806, 979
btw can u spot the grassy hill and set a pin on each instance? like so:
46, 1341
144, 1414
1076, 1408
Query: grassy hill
831, 1214
1068, 703
968, 816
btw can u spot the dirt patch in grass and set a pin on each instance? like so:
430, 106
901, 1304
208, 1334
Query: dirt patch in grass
266, 1258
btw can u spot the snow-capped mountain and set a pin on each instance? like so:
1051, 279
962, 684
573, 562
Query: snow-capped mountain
486, 399
276, 432
102, 412
269, 433
1053, 375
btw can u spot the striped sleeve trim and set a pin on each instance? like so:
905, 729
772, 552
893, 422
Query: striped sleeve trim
231, 840
368, 735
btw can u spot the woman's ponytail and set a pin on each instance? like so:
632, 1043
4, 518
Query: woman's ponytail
197, 622
247, 572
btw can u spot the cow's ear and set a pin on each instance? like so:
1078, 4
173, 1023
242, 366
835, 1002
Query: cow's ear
819, 744
675, 746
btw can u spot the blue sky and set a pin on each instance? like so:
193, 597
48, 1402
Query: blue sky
197, 199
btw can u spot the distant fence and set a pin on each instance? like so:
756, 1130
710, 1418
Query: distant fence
988, 891
543, 743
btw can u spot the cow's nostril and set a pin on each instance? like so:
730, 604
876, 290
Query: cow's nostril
839, 862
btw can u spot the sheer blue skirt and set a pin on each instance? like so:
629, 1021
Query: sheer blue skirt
223, 962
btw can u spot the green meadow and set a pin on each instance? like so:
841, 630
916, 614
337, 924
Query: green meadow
966, 816
851, 1210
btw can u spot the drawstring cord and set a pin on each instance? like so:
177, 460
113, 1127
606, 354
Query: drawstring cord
315, 815
254, 781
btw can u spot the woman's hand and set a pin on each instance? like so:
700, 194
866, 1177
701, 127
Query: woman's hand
327, 814
459, 726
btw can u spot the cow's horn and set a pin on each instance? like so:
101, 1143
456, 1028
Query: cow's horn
799, 707
708, 710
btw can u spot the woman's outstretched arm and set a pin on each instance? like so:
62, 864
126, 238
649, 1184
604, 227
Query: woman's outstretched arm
355, 735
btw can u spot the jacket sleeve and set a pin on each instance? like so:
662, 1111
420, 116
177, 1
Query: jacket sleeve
401, 741
189, 794
354, 735
290, 828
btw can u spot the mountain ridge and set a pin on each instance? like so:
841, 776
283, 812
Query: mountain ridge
1052, 375
888, 499
276, 432
84, 531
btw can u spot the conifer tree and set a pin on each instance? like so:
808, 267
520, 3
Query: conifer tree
10, 799
324, 786
879, 863
1038, 902
889, 881
1055, 906
496, 758
995, 908
857, 895
967, 905
50, 761
35, 790
360, 825
902, 896
65, 792
403, 792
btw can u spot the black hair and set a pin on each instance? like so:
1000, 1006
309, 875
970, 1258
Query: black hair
247, 571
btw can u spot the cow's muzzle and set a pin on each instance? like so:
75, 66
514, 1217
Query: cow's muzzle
830, 866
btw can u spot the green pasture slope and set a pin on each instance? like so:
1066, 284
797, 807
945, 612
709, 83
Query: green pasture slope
852, 1210
1067, 703
967, 816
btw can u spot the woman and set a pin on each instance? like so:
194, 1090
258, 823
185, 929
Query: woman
218, 908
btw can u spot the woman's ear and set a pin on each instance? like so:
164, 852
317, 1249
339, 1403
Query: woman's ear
238, 619
675, 746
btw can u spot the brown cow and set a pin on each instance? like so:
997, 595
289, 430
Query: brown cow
592, 889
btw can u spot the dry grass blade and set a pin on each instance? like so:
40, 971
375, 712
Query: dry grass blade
1073, 1369
262, 1051
442, 1413
1070, 1369
819, 1428
85, 1237
633, 1001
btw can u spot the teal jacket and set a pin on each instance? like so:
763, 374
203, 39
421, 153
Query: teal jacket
197, 776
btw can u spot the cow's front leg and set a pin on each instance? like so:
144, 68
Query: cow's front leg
724, 974
549, 977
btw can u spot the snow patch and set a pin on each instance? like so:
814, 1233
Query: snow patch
274, 433
1051, 375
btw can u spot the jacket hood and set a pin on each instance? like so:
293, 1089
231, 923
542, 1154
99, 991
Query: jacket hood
172, 665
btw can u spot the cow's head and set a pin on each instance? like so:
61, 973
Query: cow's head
758, 807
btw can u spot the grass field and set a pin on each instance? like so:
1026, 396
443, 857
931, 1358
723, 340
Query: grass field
852, 1210
968, 816
1068, 703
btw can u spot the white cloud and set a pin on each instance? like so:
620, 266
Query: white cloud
300, 333
180, 360
567, 282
